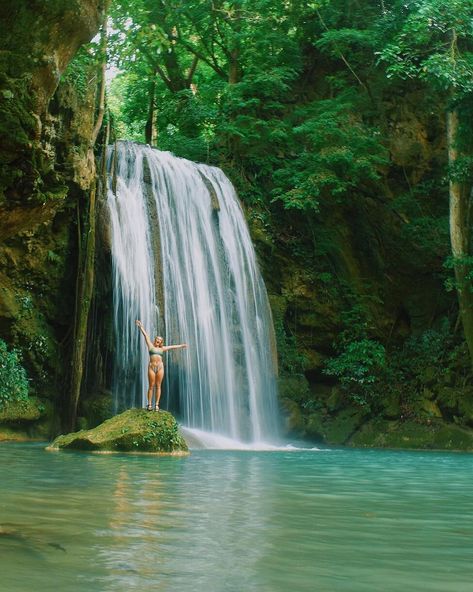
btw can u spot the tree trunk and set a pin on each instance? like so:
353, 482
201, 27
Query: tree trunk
83, 300
459, 232
103, 68
86, 257
234, 67
151, 135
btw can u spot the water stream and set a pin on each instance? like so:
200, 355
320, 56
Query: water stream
184, 263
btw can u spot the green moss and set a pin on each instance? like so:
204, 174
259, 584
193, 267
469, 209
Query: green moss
26, 420
315, 427
22, 411
339, 429
392, 405
97, 409
133, 430
434, 434
295, 421
336, 400
9, 434
295, 387
466, 409
448, 397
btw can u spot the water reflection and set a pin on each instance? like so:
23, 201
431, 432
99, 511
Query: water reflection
164, 526
218, 521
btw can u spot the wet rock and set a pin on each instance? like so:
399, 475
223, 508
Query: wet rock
135, 430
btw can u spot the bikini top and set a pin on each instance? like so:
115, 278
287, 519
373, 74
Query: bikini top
155, 351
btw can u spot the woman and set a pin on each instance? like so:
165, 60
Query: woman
156, 367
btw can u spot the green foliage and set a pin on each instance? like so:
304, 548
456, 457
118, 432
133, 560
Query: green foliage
53, 257
336, 152
465, 263
359, 366
13, 379
425, 211
303, 105
427, 44
291, 360
361, 363
429, 350
165, 435
80, 73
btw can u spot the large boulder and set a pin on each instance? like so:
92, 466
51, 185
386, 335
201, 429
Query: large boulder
135, 430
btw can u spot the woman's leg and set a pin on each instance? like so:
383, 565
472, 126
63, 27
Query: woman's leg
159, 380
152, 382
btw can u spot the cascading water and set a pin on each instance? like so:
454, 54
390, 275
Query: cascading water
184, 264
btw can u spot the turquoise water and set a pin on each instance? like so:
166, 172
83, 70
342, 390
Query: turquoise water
337, 520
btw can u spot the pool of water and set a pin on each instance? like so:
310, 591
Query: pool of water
236, 521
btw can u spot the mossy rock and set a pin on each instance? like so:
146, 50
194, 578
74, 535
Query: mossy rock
338, 429
29, 419
430, 408
336, 399
97, 409
294, 387
466, 409
391, 405
432, 435
315, 427
9, 434
22, 411
448, 397
334, 429
135, 430
294, 420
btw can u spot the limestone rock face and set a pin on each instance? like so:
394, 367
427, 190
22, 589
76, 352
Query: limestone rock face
135, 430
46, 169
38, 41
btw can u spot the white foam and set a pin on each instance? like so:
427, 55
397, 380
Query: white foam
201, 440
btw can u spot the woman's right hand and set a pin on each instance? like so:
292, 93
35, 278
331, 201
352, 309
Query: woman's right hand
138, 324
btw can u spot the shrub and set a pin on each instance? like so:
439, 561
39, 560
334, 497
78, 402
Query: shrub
360, 367
13, 379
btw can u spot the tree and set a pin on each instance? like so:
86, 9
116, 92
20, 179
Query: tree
144, 41
433, 42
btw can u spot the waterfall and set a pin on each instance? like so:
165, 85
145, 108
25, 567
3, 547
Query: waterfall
184, 264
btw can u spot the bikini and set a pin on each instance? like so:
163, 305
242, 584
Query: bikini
155, 351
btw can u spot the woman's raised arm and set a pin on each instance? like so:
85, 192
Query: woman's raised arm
180, 346
139, 324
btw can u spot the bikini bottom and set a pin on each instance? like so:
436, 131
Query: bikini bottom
156, 367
